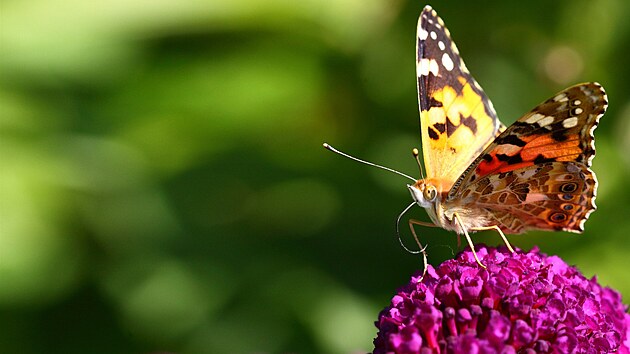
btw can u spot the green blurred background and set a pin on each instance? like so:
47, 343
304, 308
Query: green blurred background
163, 184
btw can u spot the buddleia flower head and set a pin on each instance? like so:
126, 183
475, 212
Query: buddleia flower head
523, 302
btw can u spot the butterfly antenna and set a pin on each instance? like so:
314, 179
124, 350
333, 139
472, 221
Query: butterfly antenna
328, 147
416, 155
398, 230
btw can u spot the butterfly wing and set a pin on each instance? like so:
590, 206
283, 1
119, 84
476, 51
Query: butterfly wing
457, 120
536, 174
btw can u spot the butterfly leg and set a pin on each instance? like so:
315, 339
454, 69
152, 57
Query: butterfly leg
495, 227
470, 243
422, 249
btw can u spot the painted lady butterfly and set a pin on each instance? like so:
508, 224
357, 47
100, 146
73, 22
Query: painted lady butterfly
480, 175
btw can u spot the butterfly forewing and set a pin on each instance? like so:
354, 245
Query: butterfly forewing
559, 129
457, 120
536, 175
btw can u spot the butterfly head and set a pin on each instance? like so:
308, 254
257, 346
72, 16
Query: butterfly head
423, 193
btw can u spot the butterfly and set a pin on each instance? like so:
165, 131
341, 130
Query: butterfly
482, 175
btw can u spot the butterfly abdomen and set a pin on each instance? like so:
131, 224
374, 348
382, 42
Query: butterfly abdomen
471, 218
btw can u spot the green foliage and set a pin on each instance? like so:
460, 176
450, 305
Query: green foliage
163, 185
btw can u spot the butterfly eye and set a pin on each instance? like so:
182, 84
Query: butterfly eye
430, 193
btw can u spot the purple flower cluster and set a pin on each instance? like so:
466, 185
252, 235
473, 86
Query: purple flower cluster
522, 303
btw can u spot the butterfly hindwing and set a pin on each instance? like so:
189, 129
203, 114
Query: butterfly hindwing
548, 196
457, 120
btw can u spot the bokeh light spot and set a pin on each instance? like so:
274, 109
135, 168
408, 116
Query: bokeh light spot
563, 64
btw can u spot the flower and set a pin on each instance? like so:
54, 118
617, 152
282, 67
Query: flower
524, 302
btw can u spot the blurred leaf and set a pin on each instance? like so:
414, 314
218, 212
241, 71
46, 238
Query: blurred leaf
294, 208
40, 255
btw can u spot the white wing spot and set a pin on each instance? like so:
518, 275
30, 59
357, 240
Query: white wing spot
534, 118
441, 45
579, 110
570, 122
433, 67
422, 69
577, 102
447, 62
561, 98
426, 66
546, 121
433, 35
422, 34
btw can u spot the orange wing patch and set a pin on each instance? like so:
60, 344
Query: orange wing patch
537, 149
